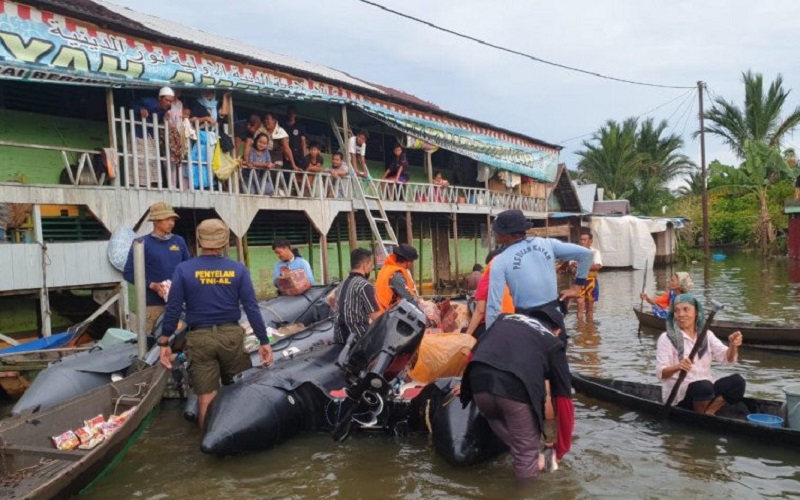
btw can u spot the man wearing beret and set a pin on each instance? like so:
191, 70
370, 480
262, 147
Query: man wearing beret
213, 287
394, 281
527, 267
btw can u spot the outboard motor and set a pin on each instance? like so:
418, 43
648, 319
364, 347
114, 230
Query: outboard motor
378, 355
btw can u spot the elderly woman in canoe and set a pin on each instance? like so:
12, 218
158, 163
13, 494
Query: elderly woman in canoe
699, 391
681, 283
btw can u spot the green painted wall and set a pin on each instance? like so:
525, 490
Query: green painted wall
39, 166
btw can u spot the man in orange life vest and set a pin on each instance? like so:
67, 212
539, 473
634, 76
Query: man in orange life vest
394, 281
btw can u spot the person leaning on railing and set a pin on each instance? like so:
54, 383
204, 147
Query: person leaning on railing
256, 168
142, 143
338, 172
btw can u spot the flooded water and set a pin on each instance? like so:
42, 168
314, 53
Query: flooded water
615, 453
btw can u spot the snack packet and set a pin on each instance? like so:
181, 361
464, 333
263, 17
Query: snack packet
95, 423
113, 424
94, 441
85, 433
66, 441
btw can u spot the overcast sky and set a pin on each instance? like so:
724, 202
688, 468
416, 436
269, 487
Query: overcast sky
671, 43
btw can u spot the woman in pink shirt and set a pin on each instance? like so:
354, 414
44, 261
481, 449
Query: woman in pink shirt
699, 391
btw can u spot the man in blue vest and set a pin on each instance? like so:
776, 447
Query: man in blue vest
163, 251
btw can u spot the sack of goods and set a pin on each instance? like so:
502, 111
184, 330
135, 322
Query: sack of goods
293, 282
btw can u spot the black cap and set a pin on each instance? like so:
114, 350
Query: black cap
406, 251
511, 222
550, 315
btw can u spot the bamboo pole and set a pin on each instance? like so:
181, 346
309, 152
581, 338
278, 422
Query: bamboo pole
140, 283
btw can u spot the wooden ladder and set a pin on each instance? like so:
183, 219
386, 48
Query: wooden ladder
370, 199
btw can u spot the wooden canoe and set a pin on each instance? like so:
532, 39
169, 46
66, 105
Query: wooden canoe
18, 369
732, 420
30, 465
753, 334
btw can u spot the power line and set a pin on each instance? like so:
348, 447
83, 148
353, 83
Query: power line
685, 95
518, 53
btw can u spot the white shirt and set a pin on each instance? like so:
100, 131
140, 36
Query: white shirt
667, 355
355, 149
596, 259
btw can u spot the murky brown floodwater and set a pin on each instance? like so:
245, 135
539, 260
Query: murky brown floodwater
616, 453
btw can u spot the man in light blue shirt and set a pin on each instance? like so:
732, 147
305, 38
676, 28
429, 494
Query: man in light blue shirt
527, 267
287, 258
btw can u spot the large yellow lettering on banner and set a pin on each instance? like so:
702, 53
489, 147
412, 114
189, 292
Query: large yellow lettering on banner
113, 65
68, 57
182, 77
30, 52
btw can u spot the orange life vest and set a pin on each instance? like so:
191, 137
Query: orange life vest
508, 304
383, 291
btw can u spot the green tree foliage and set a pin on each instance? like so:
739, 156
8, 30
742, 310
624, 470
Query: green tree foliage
762, 167
758, 120
635, 161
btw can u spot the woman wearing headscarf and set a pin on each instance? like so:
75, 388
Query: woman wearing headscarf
207, 110
680, 283
699, 391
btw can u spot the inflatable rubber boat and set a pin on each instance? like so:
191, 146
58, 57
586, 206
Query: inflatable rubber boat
266, 406
74, 375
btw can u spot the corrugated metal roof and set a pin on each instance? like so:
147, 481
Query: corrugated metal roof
586, 195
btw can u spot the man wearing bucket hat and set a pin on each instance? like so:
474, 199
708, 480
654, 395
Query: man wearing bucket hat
394, 281
699, 392
527, 267
163, 251
213, 288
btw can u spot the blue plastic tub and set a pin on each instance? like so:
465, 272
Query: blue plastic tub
765, 419
719, 256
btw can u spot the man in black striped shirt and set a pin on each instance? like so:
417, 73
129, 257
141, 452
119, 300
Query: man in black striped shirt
356, 305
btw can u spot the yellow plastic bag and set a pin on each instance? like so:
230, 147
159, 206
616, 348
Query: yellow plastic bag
224, 165
215, 159
441, 355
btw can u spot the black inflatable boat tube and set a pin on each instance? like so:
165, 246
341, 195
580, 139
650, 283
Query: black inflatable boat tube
267, 406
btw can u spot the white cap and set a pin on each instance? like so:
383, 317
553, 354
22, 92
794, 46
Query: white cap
166, 92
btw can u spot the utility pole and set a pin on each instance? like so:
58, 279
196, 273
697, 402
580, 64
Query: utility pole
704, 196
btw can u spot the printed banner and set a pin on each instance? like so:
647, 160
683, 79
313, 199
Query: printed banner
492, 150
38, 45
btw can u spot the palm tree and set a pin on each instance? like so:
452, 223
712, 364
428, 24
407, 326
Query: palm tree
610, 159
694, 185
763, 166
634, 161
760, 118
661, 162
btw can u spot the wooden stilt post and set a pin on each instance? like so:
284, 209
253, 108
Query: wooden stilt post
455, 242
323, 248
489, 236
410, 229
421, 252
44, 295
435, 253
311, 246
352, 234
339, 247
429, 166
240, 250
246, 251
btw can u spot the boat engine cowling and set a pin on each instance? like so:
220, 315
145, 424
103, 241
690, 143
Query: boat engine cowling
367, 361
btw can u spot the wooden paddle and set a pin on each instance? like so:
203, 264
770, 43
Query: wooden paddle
641, 303
701, 337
